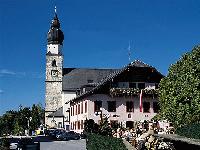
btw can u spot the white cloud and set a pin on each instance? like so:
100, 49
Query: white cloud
1, 91
6, 72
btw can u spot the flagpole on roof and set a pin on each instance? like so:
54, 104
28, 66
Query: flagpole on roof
129, 52
55, 10
141, 100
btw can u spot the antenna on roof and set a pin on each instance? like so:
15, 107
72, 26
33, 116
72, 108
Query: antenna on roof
129, 51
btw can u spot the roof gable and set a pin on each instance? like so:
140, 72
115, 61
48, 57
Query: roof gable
114, 74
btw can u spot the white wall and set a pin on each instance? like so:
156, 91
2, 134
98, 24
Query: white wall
120, 109
54, 48
66, 96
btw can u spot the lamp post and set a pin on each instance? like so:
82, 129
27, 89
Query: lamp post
99, 113
28, 123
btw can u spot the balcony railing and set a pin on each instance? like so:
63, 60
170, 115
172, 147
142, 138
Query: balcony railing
132, 91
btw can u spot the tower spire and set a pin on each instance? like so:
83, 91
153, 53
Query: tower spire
55, 35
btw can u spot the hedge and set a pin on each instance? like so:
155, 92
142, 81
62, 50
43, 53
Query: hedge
99, 142
190, 131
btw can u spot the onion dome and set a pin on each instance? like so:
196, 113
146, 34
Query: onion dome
55, 35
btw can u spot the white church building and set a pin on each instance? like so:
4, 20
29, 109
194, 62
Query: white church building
73, 95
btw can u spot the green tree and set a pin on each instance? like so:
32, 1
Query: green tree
17, 128
15, 122
105, 128
23, 116
37, 114
6, 122
179, 91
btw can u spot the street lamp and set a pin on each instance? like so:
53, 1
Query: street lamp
99, 113
28, 123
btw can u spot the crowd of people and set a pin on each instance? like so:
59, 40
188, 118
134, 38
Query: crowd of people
143, 133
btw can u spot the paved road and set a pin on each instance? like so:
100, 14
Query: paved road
64, 145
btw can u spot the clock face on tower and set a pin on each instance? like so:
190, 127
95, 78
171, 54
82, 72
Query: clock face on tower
54, 73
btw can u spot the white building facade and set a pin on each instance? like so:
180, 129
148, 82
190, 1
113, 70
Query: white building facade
119, 98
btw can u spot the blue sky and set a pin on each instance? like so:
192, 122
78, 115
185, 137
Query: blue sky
97, 33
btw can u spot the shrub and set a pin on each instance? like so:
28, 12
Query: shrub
190, 131
4, 144
90, 126
99, 142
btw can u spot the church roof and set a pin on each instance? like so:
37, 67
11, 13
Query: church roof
114, 74
75, 78
58, 113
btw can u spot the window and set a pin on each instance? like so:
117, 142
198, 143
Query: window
73, 110
81, 107
90, 81
59, 124
111, 106
82, 124
71, 125
78, 108
141, 85
79, 125
75, 125
123, 84
146, 107
129, 106
155, 107
132, 85
85, 107
97, 105
129, 115
54, 63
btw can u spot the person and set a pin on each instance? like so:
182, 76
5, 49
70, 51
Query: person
151, 130
128, 135
138, 131
119, 133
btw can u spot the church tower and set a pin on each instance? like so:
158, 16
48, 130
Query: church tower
54, 69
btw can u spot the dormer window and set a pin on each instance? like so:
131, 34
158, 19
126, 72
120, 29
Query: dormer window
141, 85
132, 85
123, 84
90, 81
54, 63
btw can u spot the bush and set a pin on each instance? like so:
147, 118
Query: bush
4, 144
99, 142
190, 131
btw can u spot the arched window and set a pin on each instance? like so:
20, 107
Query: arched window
54, 63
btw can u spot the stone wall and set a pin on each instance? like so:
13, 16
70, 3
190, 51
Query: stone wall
53, 95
